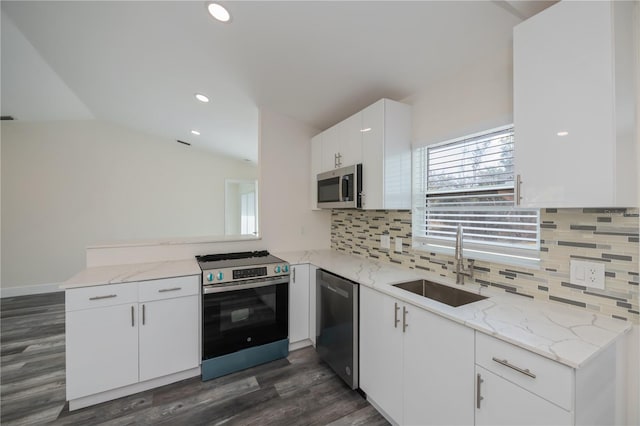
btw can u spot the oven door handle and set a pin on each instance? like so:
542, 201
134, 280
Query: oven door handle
234, 287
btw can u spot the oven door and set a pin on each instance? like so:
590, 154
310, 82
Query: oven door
241, 316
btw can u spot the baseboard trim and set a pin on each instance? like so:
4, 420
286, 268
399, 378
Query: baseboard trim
26, 290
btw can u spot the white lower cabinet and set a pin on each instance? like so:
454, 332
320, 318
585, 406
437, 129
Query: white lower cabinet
101, 349
299, 303
504, 403
121, 335
416, 367
168, 339
381, 352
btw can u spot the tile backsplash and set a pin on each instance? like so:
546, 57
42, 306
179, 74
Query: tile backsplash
609, 236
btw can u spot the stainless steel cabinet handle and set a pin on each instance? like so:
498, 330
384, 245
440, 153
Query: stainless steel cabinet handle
293, 273
395, 315
518, 184
164, 290
506, 363
478, 396
133, 324
109, 296
404, 319
143, 315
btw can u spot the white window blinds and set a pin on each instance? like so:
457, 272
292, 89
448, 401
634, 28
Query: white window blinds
470, 181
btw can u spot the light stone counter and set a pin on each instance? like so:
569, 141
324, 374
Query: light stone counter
568, 335
115, 274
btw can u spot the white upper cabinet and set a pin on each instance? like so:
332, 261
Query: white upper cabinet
574, 107
342, 144
379, 137
386, 156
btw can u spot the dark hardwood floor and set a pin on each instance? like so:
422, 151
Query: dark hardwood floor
299, 390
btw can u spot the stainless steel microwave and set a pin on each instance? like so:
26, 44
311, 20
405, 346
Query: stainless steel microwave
340, 188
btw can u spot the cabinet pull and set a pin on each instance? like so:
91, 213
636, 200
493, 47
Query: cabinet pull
518, 184
164, 290
395, 315
109, 296
404, 319
143, 315
506, 363
478, 396
293, 273
133, 324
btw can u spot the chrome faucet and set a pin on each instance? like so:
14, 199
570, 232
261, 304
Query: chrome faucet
461, 271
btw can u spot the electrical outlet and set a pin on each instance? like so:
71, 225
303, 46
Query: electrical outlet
385, 242
398, 245
589, 274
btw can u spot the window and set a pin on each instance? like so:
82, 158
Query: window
470, 182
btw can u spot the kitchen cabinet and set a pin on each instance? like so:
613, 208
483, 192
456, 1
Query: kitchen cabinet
379, 137
574, 106
121, 335
342, 144
517, 387
386, 156
381, 352
316, 168
415, 366
299, 303
313, 332
168, 340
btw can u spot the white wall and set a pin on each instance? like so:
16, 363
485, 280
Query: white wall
69, 184
287, 222
477, 98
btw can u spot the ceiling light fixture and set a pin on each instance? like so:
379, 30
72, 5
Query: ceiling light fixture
201, 97
563, 133
195, 132
218, 12
368, 129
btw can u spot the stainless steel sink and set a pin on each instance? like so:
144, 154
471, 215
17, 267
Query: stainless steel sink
448, 295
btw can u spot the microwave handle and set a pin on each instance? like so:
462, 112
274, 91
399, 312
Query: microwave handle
340, 188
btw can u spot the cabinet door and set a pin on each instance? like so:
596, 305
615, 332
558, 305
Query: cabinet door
438, 370
381, 351
299, 303
313, 333
316, 167
101, 349
504, 403
373, 156
350, 146
169, 336
330, 143
563, 82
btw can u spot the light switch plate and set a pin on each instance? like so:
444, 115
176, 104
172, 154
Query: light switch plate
398, 245
385, 242
588, 274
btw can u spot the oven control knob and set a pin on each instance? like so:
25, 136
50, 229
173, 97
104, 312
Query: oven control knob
220, 276
209, 276
277, 269
285, 268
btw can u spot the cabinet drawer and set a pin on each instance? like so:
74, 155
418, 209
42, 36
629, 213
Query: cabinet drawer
100, 296
168, 288
541, 376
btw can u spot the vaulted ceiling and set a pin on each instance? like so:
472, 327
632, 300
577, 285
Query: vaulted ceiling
140, 63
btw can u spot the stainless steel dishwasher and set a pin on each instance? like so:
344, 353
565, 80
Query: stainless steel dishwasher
337, 325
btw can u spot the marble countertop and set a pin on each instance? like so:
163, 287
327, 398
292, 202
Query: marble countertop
115, 274
567, 335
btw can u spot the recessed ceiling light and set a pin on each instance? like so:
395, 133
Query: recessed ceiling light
201, 97
218, 12
563, 133
195, 132
368, 129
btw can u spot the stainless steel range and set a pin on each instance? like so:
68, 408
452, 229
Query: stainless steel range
245, 311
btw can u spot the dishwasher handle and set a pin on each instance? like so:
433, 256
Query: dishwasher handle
338, 285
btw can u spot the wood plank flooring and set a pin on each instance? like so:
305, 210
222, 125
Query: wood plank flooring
299, 390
